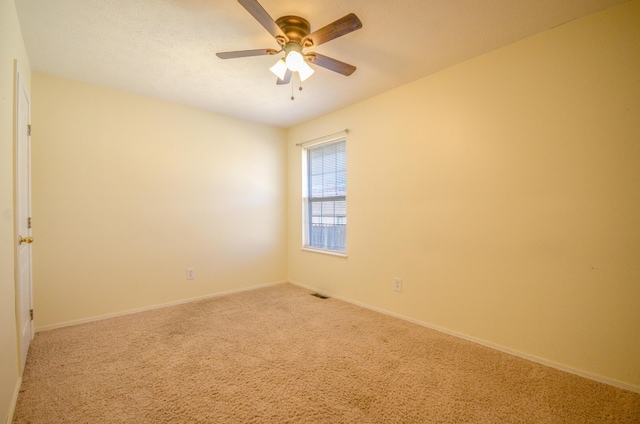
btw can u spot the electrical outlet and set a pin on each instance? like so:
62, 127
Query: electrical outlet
191, 273
397, 284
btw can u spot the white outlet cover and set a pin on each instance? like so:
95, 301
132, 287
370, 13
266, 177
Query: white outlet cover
397, 284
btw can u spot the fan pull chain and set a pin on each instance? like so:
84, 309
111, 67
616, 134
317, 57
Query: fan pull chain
299, 88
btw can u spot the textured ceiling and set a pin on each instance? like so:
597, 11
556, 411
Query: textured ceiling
166, 48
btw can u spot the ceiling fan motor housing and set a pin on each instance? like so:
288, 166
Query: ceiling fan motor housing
295, 28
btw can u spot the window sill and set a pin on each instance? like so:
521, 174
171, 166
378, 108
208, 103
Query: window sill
326, 252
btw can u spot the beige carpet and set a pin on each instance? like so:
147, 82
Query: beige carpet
280, 355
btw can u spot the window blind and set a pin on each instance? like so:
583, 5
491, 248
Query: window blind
327, 196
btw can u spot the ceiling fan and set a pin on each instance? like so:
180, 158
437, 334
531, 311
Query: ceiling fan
293, 34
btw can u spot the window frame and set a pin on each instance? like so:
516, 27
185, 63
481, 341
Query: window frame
307, 202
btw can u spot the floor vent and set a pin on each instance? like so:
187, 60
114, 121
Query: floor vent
318, 295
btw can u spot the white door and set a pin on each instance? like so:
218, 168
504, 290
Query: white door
23, 199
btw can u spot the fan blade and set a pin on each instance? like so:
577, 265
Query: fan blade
336, 29
261, 15
331, 64
287, 78
246, 53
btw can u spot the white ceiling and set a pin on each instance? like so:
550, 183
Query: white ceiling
166, 48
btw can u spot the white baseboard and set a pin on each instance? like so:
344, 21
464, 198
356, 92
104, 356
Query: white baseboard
150, 308
542, 361
14, 400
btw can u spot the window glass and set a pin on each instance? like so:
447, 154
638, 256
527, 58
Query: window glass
326, 200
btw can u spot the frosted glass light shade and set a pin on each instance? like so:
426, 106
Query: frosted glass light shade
294, 60
279, 69
305, 71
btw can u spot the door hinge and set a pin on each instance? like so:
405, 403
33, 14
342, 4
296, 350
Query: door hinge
29, 129
29, 222
31, 314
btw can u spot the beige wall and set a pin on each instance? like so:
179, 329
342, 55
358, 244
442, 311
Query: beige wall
11, 49
505, 191
128, 192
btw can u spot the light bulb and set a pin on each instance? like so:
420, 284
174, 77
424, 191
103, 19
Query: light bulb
279, 69
305, 71
294, 60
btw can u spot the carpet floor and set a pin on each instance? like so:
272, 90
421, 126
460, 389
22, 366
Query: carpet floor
280, 355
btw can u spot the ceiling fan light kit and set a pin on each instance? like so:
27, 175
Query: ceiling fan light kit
293, 34
294, 61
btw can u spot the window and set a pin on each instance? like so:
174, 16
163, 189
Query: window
326, 196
